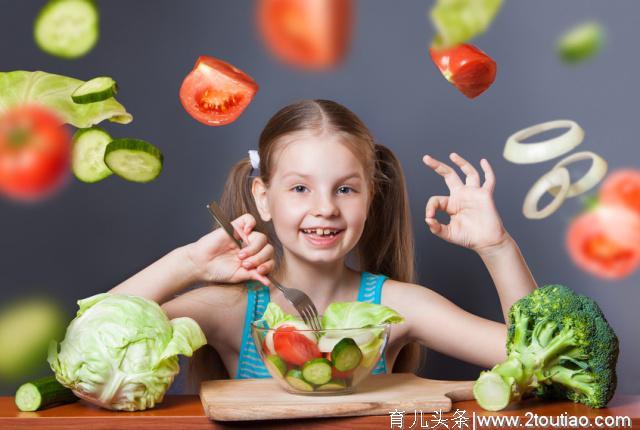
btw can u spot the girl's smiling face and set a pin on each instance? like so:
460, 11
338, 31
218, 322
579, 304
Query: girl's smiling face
317, 198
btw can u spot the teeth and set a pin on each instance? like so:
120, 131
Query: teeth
320, 231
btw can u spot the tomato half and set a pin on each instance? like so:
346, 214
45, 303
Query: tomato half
294, 347
469, 69
215, 92
35, 150
622, 187
593, 242
310, 34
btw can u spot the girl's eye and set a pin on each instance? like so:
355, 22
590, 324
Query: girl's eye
299, 188
345, 190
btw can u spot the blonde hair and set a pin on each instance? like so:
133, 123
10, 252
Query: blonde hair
387, 229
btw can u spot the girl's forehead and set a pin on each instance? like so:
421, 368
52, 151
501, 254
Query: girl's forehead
315, 155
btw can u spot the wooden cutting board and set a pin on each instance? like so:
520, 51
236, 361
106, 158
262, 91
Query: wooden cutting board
264, 399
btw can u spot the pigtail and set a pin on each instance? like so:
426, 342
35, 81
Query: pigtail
388, 231
388, 226
236, 200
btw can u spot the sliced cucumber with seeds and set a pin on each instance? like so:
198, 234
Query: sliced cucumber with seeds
336, 384
87, 156
346, 355
276, 365
95, 90
42, 393
67, 28
133, 159
317, 371
296, 380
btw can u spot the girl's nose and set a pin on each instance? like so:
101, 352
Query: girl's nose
325, 206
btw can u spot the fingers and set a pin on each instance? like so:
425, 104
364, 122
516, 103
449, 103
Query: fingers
435, 204
242, 226
489, 176
440, 230
262, 256
450, 176
473, 178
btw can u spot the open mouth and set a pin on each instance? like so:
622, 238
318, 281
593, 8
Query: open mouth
320, 233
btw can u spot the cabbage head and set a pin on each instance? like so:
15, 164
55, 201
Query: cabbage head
120, 352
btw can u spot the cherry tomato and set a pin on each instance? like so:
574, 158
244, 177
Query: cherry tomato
469, 69
215, 92
595, 243
294, 347
35, 150
622, 187
310, 34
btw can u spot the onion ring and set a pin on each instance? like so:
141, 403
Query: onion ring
527, 153
553, 178
596, 172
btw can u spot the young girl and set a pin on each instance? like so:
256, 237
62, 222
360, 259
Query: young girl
333, 204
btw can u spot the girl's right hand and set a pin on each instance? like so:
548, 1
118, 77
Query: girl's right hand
218, 259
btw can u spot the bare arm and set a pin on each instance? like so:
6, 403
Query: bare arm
163, 279
439, 324
509, 272
214, 258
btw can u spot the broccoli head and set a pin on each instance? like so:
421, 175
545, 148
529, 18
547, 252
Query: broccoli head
559, 345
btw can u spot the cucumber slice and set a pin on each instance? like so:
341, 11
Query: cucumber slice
336, 384
42, 393
87, 155
346, 355
67, 28
95, 90
276, 365
317, 371
133, 159
296, 380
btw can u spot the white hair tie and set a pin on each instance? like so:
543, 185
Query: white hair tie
254, 157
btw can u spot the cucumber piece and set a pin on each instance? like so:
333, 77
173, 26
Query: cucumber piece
276, 365
581, 42
133, 159
346, 355
317, 371
336, 384
87, 155
67, 28
95, 90
42, 393
296, 380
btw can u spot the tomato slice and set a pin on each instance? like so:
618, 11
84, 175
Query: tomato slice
294, 347
310, 34
215, 92
35, 150
622, 187
469, 69
592, 242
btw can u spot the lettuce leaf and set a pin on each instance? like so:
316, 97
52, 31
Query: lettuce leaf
54, 92
458, 21
358, 315
274, 315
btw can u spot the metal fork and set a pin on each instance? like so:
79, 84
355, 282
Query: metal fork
300, 301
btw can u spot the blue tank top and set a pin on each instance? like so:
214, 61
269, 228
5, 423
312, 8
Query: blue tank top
250, 364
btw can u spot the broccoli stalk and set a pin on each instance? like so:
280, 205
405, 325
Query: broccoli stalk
559, 345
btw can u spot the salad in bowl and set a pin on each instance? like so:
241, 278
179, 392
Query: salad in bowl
333, 360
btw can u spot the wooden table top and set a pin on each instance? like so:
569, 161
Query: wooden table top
185, 412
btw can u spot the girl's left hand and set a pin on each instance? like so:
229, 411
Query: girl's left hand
474, 221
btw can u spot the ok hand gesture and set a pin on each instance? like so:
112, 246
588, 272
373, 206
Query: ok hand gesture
474, 221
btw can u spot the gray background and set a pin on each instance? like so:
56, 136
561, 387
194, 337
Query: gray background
90, 237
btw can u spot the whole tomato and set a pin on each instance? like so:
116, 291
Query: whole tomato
35, 151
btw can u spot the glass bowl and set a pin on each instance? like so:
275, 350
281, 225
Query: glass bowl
319, 362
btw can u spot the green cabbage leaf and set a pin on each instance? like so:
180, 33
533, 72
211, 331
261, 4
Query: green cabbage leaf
54, 91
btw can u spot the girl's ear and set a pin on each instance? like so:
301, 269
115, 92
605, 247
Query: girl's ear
259, 191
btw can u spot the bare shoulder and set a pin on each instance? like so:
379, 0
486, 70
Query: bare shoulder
213, 307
